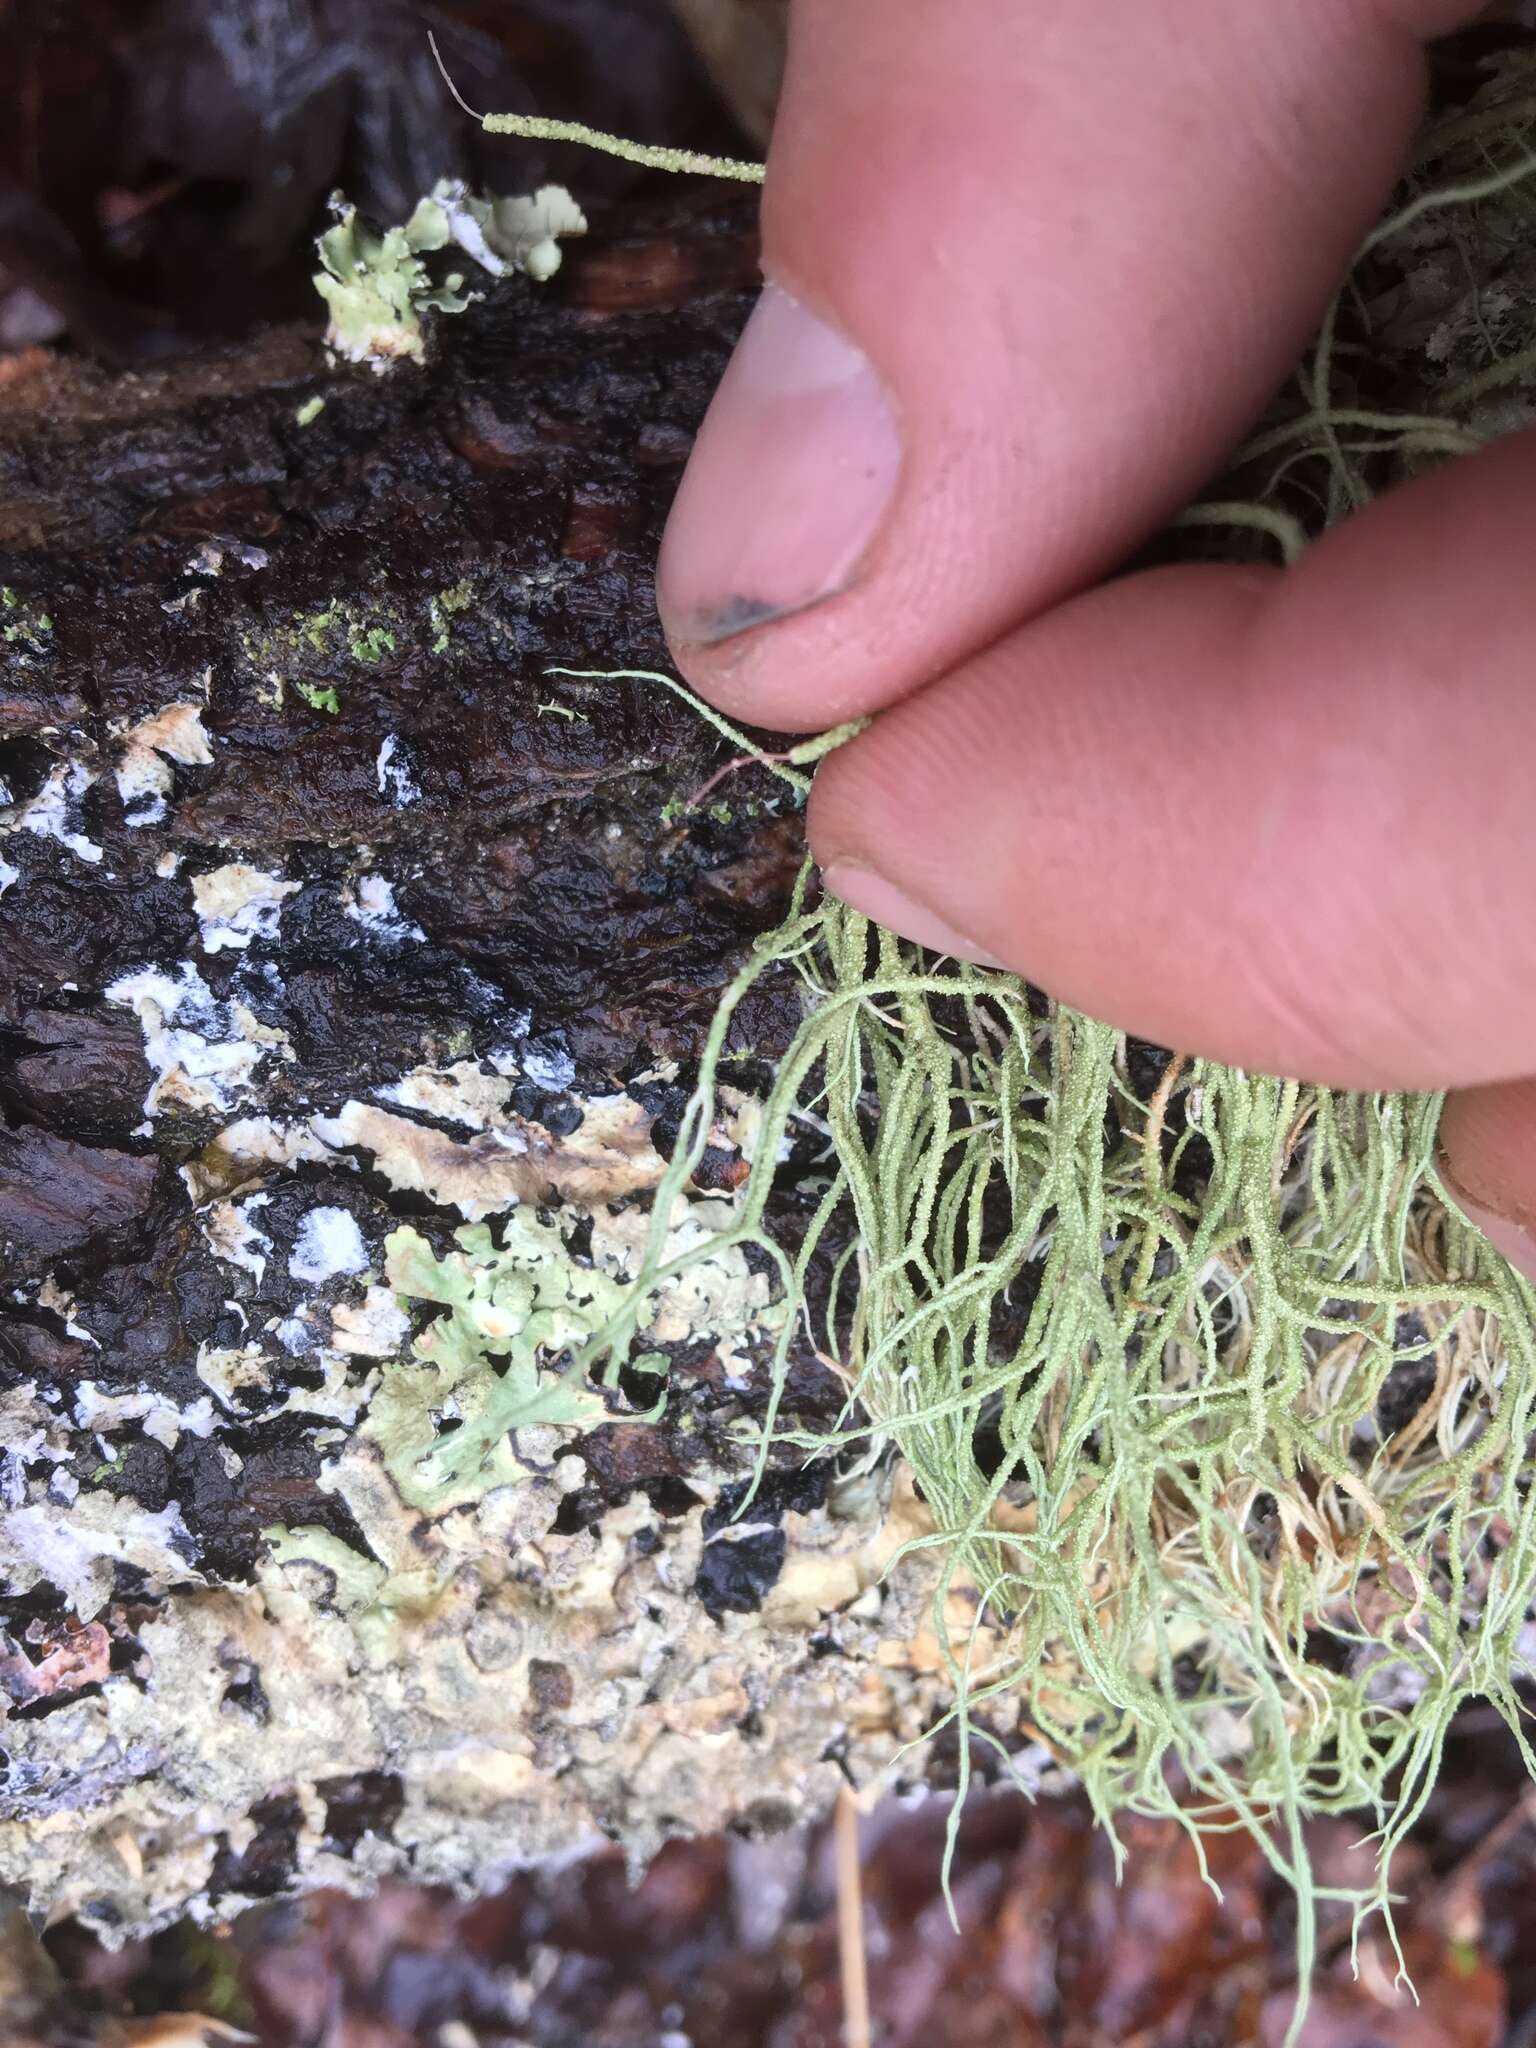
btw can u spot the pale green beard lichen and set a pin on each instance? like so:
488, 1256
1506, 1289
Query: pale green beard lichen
1134, 1341
1188, 1489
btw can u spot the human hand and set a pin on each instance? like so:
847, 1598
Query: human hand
1033, 269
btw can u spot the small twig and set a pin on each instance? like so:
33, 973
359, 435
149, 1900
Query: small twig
852, 1959
734, 767
1157, 1115
803, 755
772, 762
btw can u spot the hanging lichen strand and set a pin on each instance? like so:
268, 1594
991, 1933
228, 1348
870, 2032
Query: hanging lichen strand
1170, 1310
1222, 1414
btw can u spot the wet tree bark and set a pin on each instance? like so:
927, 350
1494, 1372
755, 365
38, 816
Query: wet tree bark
297, 826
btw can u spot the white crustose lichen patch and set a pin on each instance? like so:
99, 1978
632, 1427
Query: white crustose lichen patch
49, 814
329, 1243
371, 903
396, 782
151, 751
237, 903
233, 1236
204, 1053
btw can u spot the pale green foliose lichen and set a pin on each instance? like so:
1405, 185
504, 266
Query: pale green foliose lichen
510, 233
484, 1365
24, 629
378, 286
442, 609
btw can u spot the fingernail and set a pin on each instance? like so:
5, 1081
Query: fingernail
1512, 1236
788, 481
876, 898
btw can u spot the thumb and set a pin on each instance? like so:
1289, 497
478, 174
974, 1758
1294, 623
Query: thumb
1031, 271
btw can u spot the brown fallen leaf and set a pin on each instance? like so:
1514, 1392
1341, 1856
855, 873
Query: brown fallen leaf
1136, 1949
169, 2030
29, 1982
1458, 2001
